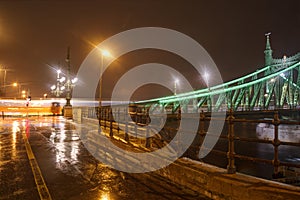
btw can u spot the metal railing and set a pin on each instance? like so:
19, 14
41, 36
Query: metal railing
140, 116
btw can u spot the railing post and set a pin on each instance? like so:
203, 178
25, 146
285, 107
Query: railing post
119, 120
148, 138
231, 169
136, 123
111, 133
100, 117
202, 133
202, 124
126, 125
276, 143
105, 118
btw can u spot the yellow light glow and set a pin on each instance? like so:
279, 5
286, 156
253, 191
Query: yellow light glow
15, 84
104, 196
105, 53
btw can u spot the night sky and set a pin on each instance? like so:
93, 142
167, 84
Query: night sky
35, 35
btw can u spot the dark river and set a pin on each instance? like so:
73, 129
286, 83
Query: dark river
289, 154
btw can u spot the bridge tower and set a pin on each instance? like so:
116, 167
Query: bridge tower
268, 51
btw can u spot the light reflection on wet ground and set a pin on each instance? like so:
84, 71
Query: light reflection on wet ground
16, 179
69, 170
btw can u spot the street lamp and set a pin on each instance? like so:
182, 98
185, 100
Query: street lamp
2, 68
15, 84
65, 84
175, 86
209, 99
104, 53
57, 89
23, 94
206, 77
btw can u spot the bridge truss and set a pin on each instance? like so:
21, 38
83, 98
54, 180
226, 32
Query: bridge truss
275, 86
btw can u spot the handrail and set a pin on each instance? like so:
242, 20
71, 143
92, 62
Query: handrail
141, 118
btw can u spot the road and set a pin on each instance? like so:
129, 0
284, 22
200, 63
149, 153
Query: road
43, 158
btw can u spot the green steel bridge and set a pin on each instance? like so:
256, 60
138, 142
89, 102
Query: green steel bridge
275, 86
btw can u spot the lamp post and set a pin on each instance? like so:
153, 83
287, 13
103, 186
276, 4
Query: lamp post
68, 107
4, 80
18, 86
104, 53
209, 100
68, 113
175, 86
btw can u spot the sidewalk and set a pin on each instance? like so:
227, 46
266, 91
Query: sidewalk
209, 180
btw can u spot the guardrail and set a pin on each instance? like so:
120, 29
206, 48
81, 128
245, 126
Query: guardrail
141, 133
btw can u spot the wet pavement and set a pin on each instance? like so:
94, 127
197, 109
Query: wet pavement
68, 169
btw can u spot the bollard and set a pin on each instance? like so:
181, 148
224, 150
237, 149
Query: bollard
276, 143
231, 169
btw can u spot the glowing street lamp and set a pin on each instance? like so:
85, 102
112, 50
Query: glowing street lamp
74, 80
209, 100
56, 89
175, 86
15, 84
206, 78
104, 53
23, 94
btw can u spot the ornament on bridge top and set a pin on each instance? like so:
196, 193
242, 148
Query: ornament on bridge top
278, 63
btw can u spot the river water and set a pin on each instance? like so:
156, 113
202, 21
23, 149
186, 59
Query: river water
258, 150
